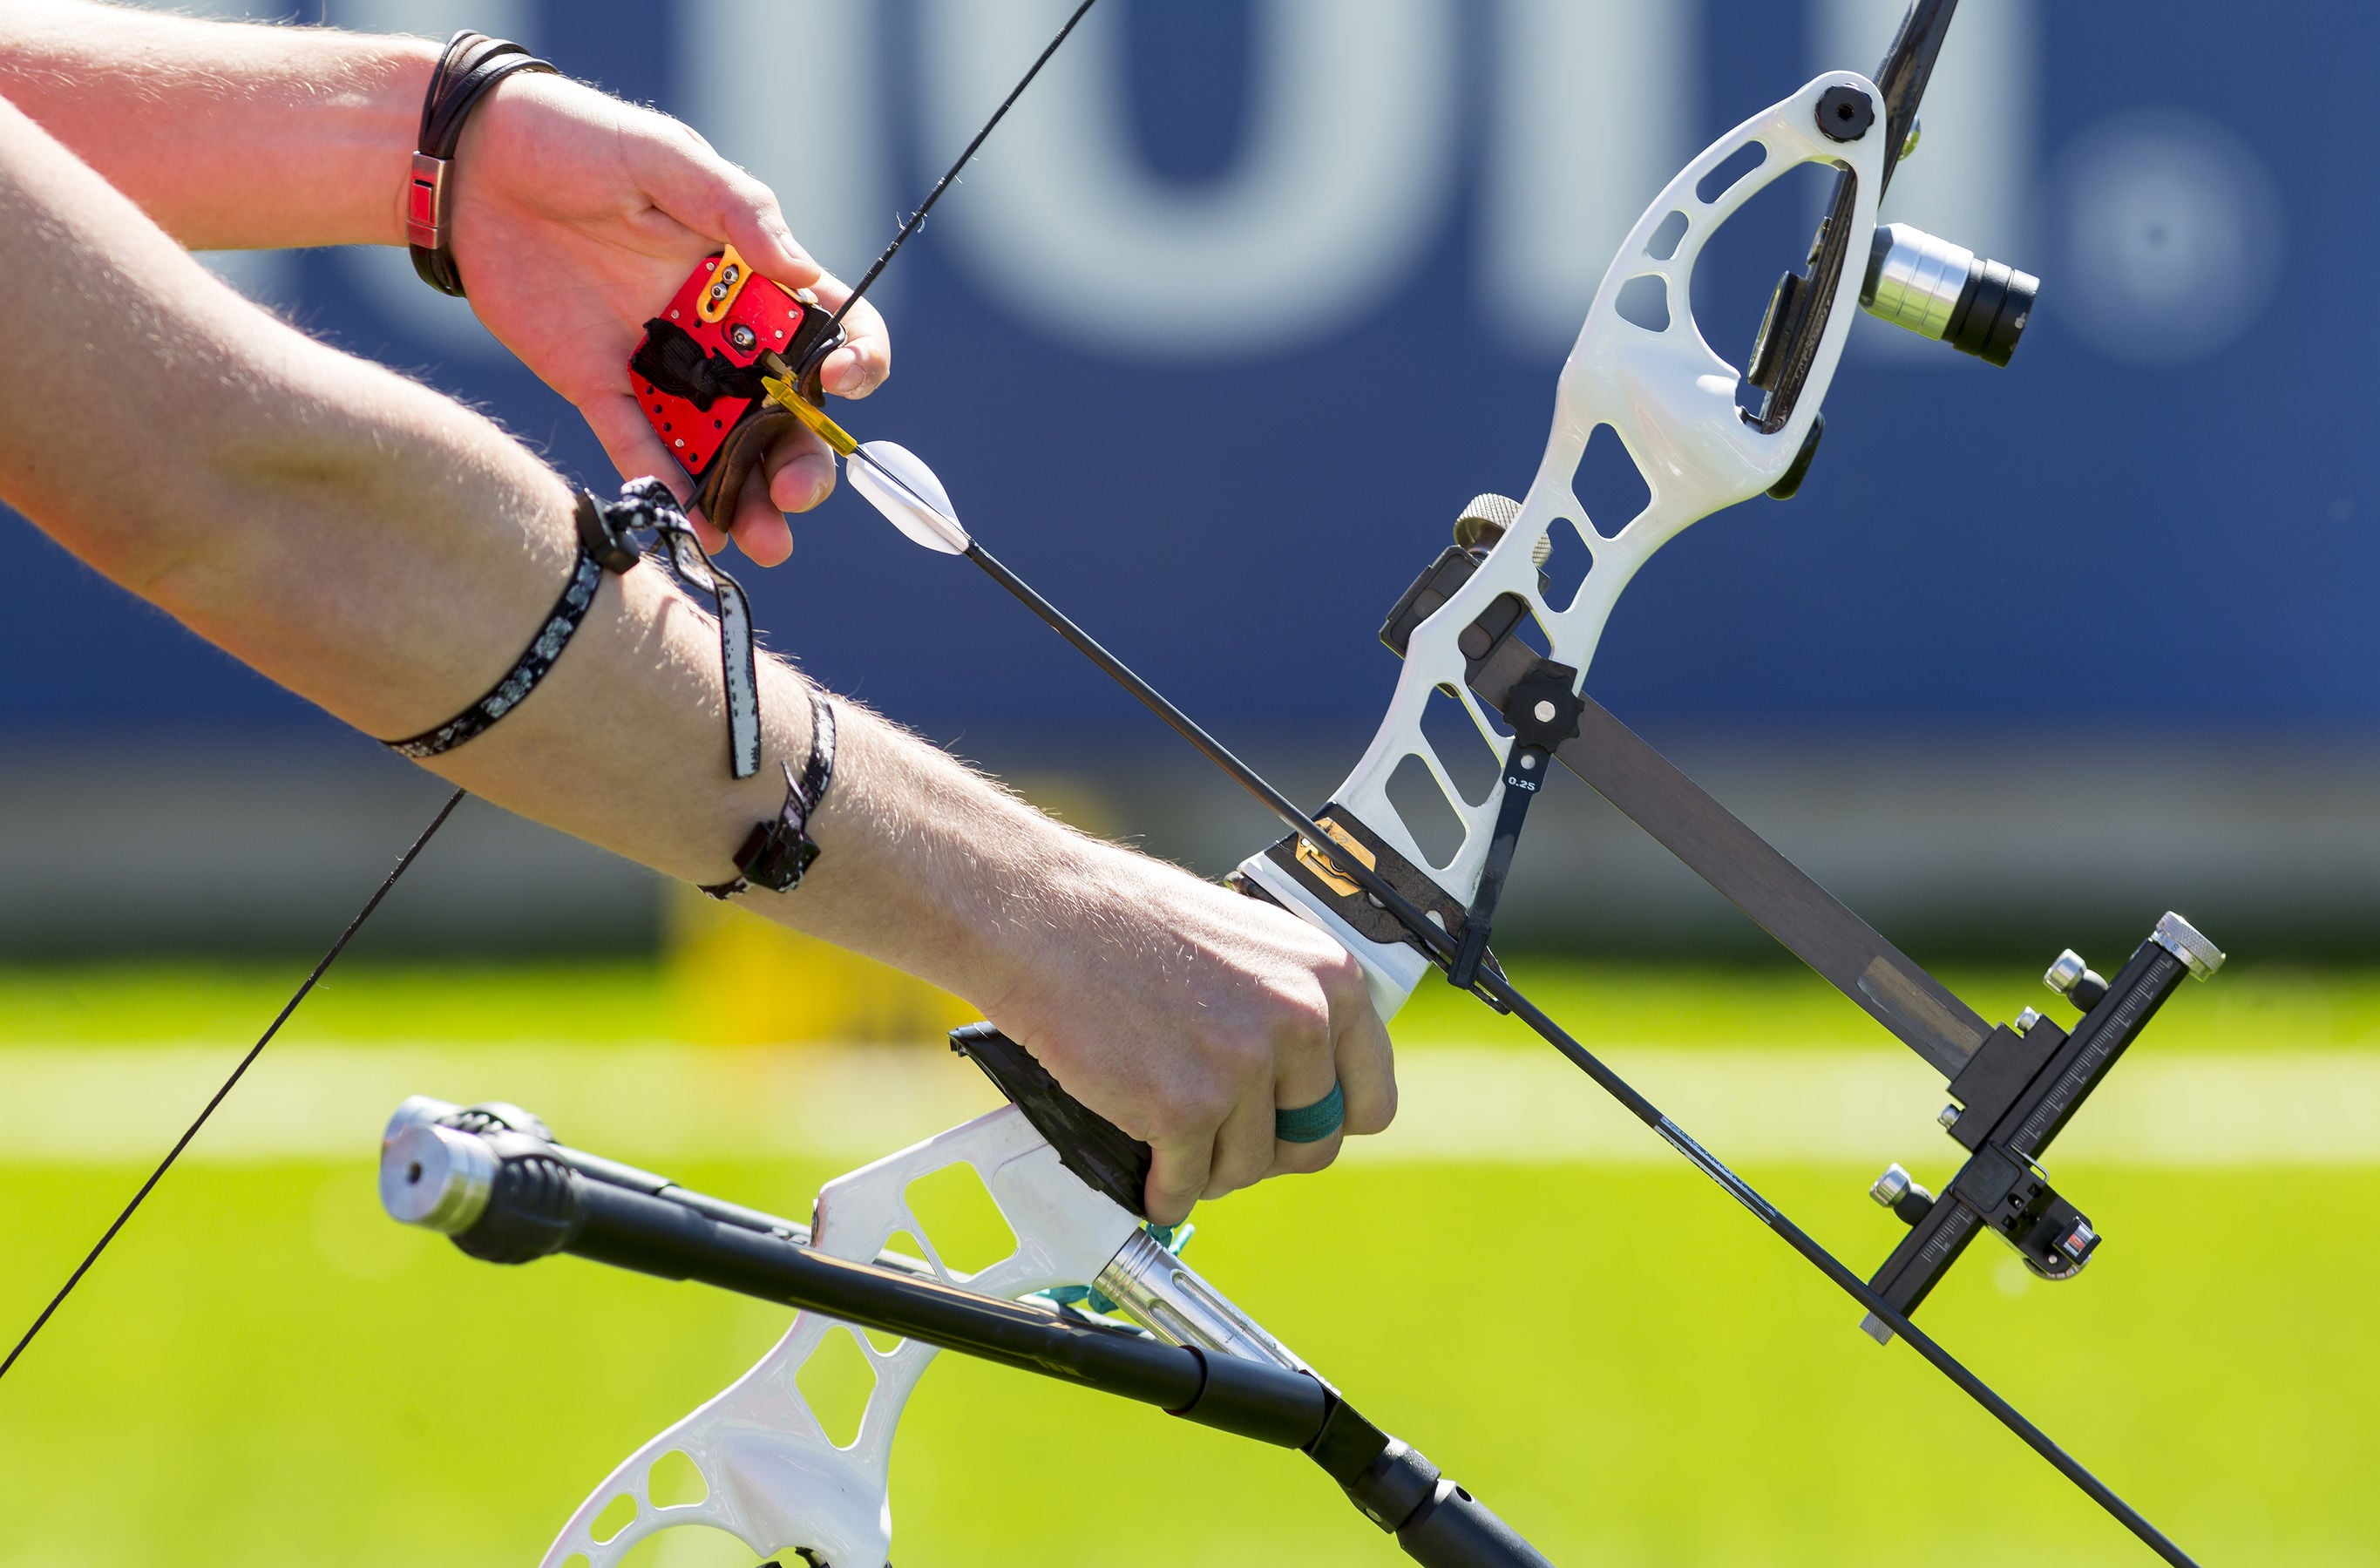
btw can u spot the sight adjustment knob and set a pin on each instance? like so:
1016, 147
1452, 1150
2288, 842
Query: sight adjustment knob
2075, 980
1898, 1191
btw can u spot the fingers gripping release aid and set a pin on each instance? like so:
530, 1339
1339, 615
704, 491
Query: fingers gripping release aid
1673, 402
697, 373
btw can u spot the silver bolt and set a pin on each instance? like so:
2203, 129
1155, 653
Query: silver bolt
2062, 975
2026, 1020
1528, 763
1891, 1187
1950, 1116
1545, 713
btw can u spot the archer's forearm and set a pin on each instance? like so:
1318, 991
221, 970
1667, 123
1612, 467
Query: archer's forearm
386, 552
230, 135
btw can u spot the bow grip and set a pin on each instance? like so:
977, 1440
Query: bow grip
1109, 1160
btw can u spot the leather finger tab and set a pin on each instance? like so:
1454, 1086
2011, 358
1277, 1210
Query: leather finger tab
723, 482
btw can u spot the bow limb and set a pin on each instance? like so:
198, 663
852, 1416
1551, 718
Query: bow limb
772, 1476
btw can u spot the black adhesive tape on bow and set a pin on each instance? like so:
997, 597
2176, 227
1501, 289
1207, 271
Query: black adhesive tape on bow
1108, 1158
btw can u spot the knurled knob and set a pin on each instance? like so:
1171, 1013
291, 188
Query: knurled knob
1485, 518
2186, 943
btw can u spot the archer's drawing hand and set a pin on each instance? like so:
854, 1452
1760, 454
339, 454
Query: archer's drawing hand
576, 216
1187, 1014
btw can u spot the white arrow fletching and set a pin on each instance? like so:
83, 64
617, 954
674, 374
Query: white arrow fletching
904, 489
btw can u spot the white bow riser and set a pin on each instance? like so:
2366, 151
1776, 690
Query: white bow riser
1671, 400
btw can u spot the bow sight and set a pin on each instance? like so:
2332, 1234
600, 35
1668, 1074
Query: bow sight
2012, 1088
1484, 625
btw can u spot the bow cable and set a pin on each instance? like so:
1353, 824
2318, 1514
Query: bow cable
304, 987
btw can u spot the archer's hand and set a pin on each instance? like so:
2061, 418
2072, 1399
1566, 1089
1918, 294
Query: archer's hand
1187, 1014
575, 217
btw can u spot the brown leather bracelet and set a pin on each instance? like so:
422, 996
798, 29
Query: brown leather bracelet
472, 64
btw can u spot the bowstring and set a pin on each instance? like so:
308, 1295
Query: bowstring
952, 173
405, 860
329, 957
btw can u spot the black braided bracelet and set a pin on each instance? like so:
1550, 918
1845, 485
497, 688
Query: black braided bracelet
472, 64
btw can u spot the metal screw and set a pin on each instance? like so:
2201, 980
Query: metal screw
742, 336
1950, 1116
2026, 1020
1891, 1186
2061, 976
1545, 713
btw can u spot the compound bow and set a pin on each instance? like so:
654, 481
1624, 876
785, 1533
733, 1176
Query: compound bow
1481, 624
1641, 368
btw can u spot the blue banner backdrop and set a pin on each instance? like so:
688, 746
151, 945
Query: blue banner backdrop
1251, 294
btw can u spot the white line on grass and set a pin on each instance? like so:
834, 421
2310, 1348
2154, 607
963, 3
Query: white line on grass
669, 1102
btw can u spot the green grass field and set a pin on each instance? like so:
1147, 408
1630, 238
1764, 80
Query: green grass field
266, 1371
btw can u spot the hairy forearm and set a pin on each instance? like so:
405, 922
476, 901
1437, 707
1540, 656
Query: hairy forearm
229, 135
386, 554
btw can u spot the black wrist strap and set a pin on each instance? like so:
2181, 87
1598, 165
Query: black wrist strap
778, 852
472, 64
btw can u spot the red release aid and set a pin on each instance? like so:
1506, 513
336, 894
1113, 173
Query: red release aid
697, 371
